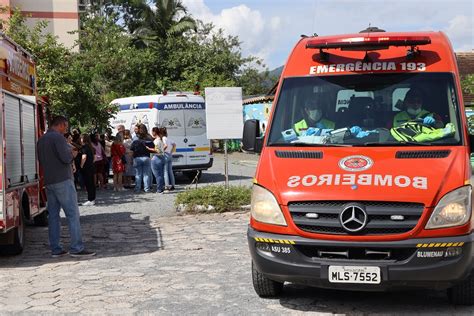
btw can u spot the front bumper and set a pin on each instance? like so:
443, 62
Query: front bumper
205, 166
418, 263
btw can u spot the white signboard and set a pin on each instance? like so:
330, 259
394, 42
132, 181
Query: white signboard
224, 113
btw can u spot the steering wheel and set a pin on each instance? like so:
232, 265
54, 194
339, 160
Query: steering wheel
419, 121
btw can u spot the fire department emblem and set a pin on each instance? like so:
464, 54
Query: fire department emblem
355, 163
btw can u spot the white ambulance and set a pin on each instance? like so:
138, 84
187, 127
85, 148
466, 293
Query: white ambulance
183, 115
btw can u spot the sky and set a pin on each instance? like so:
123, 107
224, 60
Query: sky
270, 28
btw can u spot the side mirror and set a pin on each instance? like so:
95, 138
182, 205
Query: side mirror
251, 140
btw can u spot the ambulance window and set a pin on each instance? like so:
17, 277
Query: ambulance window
344, 97
397, 98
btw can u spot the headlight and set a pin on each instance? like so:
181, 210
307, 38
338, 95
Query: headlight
265, 208
454, 209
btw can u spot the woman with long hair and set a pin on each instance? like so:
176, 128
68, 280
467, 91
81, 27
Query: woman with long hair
87, 168
117, 150
141, 159
170, 147
158, 160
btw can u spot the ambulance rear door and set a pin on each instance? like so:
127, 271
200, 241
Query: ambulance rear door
173, 120
197, 145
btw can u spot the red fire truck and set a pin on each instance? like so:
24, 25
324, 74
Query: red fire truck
22, 121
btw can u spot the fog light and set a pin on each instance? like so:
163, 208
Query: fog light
453, 252
262, 246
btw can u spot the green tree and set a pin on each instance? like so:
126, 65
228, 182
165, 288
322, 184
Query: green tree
169, 19
468, 84
50, 56
108, 66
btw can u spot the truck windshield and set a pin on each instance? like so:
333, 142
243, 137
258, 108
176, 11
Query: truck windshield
367, 110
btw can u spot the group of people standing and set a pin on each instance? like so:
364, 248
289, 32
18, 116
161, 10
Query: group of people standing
139, 155
152, 156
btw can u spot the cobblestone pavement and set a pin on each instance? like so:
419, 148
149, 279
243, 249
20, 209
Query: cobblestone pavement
173, 265
241, 172
151, 261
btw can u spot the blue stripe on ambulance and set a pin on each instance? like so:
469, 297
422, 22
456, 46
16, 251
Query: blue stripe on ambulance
164, 106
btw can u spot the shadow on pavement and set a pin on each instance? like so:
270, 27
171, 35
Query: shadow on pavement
110, 235
110, 197
310, 299
220, 177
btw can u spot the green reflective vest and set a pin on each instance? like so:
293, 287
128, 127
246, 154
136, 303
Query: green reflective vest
302, 125
403, 117
415, 132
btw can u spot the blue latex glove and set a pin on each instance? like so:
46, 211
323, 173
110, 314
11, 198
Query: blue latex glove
362, 134
429, 120
355, 130
320, 125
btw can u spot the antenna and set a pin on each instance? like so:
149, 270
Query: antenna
366, 57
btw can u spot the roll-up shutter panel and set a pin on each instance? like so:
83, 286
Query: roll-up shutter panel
29, 140
12, 139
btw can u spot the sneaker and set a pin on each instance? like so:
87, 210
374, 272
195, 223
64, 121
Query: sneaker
171, 188
88, 203
83, 254
160, 191
60, 254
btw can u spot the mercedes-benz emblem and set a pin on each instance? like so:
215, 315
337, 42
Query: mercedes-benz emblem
353, 218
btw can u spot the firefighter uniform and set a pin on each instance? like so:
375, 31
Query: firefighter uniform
414, 132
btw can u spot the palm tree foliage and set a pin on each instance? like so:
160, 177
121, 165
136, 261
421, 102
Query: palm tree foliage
168, 18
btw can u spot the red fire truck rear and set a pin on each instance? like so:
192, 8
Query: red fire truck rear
22, 121
364, 180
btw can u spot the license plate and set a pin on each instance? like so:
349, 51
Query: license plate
350, 274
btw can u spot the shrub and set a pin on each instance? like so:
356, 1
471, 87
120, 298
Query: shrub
214, 198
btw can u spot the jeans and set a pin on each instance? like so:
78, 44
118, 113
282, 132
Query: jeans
142, 167
63, 195
158, 168
169, 176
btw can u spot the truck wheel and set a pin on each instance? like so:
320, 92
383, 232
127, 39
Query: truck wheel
462, 293
18, 240
41, 219
192, 174
263, 286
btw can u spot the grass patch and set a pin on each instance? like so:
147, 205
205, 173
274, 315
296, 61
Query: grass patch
217, 196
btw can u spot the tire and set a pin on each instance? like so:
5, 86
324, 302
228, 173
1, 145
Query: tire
41, 219
192, 174
18, 240
462, 293
263, 286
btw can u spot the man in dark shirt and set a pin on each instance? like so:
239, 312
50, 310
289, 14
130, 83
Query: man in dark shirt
56, 156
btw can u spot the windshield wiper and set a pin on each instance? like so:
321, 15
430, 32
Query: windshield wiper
309, 145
